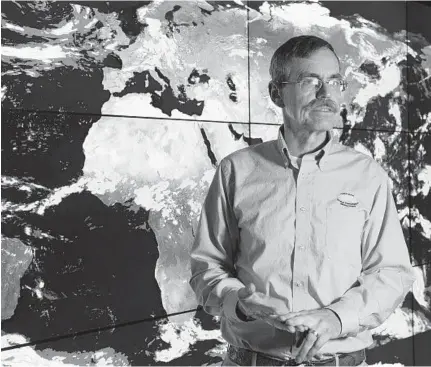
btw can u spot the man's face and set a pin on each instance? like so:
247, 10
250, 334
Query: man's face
310, 108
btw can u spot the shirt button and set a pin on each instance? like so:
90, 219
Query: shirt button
302, 209
301, 247
298, 284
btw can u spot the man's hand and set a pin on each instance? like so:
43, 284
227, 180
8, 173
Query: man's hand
323, 321
260, 306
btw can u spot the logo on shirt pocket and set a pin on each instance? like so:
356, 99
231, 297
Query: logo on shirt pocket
347, 199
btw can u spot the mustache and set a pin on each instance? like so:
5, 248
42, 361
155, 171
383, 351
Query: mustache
329, 103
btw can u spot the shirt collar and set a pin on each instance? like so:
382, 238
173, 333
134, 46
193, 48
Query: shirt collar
319, 156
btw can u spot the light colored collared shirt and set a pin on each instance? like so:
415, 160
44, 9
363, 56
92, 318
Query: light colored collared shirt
323, 234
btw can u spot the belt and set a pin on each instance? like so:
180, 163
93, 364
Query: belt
243, 357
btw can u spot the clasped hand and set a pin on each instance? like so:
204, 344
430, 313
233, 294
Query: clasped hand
275, 312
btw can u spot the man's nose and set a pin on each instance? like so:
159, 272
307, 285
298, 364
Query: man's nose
323, 91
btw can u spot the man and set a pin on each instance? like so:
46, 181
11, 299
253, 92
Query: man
300, 234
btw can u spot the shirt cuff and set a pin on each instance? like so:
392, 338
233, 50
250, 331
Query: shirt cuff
349, 318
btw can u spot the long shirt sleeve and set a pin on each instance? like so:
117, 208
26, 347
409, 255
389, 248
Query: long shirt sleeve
387, 274
213, 252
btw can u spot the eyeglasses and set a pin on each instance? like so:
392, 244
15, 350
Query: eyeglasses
314, 83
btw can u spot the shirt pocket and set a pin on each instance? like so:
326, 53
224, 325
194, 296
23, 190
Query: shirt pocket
344, 226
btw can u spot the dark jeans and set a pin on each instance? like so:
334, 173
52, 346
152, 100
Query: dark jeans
228, 362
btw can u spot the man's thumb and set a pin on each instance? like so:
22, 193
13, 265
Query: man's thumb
247, 291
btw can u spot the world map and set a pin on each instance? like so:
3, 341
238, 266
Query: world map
115, 116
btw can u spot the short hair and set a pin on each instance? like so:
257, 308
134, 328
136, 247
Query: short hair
301, 46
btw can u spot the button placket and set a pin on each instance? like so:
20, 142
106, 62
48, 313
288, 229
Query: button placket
300, 275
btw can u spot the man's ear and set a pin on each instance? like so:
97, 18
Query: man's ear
274, 93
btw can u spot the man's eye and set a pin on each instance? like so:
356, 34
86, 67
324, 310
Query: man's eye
310, 81
335, 82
